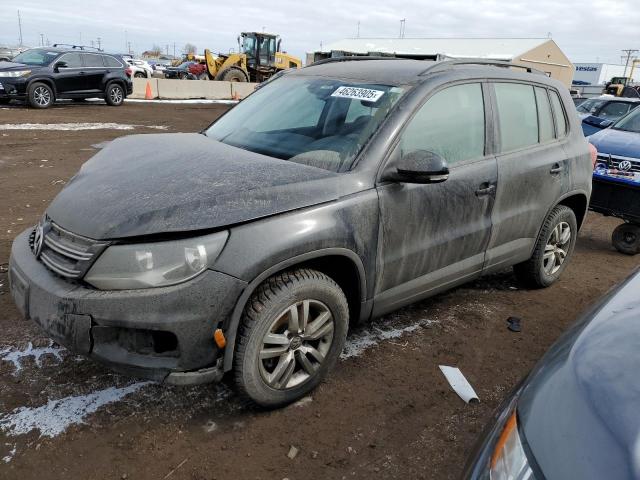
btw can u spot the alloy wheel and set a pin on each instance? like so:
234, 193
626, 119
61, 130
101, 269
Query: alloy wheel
42, 96
116, 94
556, 249
296, 344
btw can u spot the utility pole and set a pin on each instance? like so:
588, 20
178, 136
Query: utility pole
129, 48
628, 54
402, 26
358, 31
99, 43
20, 27
42, 39
167, 49
174, 49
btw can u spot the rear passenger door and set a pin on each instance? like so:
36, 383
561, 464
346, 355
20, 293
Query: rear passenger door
69, 77
435, 235
94, 72
532, 167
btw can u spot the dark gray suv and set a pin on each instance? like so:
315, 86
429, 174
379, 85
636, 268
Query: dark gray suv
332, 195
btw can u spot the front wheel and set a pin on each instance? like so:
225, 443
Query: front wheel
626, 238
114, 95
552, 251
40, 95
292, 332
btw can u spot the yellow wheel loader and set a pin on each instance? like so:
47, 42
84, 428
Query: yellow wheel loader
258, 59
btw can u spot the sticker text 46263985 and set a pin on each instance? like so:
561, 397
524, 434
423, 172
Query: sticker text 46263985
358, 93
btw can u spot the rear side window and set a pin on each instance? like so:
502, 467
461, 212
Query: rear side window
558, 114
111, 62
517, 114
451, 124
72, 60
545, 118
92, 60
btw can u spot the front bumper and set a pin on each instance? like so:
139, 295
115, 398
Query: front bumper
13, 87
164, 334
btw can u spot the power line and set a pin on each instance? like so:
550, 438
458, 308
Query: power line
628, 53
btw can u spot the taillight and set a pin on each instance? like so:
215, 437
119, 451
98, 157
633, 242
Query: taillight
128, 71
594, 154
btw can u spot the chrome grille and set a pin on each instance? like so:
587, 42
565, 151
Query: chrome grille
614, 161
64, 253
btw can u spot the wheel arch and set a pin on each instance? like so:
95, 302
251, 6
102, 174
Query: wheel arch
46, 80
576, 201
343, 265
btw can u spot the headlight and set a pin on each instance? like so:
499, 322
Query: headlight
509, 460
16, 73
156, 264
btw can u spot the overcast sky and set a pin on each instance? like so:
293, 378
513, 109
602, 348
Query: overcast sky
587, 30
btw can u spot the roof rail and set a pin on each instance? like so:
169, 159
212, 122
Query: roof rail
349, 58
76, 47
448, 63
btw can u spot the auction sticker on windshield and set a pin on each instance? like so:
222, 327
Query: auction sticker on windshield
358, 93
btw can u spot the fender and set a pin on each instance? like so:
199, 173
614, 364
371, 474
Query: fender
230, 326
46, 80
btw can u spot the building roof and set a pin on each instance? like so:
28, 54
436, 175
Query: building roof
491, 48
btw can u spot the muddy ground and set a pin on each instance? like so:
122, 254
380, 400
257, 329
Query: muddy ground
386, 412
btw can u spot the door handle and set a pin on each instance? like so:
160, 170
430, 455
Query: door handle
485, 189
555, 169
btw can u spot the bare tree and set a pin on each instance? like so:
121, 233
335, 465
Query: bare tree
189, 48
156, 49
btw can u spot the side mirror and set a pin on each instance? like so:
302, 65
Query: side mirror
60, 64
606, 123
420, 166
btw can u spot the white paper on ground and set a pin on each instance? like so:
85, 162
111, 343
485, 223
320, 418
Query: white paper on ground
459, 383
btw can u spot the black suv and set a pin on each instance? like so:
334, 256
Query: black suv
335, 193
42, 75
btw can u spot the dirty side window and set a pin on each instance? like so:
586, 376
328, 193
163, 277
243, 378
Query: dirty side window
451, 124
544, 115
517, 114
559, 115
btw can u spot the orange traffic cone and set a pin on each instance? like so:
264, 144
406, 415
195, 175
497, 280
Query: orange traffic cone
148, 95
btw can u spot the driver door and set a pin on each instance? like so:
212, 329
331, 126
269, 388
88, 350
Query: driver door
435, 235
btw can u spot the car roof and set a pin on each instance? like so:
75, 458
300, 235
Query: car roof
615, 99
399, 71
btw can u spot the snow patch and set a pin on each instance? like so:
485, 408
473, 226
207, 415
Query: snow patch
15, 356
12, 452
199, 100
56, 416
370, 337
76, 126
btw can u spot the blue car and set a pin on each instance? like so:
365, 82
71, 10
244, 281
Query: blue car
619, 145
602, 112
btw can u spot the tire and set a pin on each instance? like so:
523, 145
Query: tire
232, 75
553, 249
40, 95
139, 75
626, 238
4, 101
297, 367
114, 94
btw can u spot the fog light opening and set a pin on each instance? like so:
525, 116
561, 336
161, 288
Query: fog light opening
164, 342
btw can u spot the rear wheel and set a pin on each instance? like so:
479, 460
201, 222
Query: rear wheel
40, 95
626, 238
553, 249
139, 75
292, 333
114, 94
232, 75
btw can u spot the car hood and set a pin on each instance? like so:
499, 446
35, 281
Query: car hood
617, 142
579, 409
8, 66
151, 184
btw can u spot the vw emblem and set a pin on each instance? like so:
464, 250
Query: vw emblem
38, 240
624, 165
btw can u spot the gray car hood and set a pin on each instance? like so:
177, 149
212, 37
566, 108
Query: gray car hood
149, 184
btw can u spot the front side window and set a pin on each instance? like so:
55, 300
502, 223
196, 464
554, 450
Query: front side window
322, 122
72, 60
450, 123
517, 115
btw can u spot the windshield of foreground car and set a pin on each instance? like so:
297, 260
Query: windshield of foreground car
36, 56
629, 123
590, 106
317, 121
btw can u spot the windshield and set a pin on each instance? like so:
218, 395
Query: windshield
321, 122
630, 123
590, 106
36, 56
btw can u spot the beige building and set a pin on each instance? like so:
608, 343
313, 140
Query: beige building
539, 53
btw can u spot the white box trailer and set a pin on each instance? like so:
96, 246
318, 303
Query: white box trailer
601, 73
